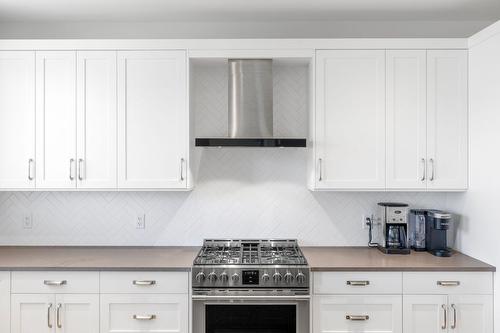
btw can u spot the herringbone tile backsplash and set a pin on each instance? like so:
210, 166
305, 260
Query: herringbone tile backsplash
239, 193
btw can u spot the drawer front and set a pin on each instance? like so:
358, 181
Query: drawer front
357, 283
447, 283
144, 282
144, 313
357, 313
58, 282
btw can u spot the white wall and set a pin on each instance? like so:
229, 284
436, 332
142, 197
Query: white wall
478, 232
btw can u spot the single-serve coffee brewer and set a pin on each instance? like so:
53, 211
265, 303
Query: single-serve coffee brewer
394, 228
428, 231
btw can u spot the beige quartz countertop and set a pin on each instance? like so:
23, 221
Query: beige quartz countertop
181, 258
97, 258
371, 259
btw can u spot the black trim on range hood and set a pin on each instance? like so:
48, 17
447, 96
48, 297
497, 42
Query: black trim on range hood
250, 142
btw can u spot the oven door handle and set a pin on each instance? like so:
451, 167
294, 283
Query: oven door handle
249, 297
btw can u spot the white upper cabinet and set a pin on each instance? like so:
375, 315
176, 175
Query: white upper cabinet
56, 119
350, 119
406, 119
17, 119
153, 119
96, 112
447, 118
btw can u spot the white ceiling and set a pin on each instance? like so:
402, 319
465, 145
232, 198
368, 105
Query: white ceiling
248, 10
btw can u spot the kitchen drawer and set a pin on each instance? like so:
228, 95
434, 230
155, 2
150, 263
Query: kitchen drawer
144, 313
59, 282
356, 313
357, 283
447, 283
144, 282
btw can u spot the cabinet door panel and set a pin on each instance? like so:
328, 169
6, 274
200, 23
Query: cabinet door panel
33, 313
17, 119
471, 313
4, 301
406, 119
77, 313
153, 119
383, 314
447, 119
56, 119
350, 119
96, 109
424, 313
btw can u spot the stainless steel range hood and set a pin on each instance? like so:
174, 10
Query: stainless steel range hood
250, 117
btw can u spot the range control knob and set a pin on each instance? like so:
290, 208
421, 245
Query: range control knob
224, 277
301, 278
277, 277
235, 277
265, 277
200, 277
212, 277
289, 277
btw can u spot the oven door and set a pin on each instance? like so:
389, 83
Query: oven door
250, 314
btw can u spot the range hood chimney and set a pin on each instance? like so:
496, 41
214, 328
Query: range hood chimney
250, 114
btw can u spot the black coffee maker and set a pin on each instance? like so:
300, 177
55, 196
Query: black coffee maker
436, 228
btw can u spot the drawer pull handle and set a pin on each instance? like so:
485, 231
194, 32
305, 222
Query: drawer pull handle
448, 283
144, 282
445, 315
55, 283
358, 283
357, 317
144, 317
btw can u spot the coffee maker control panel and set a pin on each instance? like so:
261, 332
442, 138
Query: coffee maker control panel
397, 215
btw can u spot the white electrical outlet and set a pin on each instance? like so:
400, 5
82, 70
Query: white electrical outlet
140, 223
28, 221
364, 222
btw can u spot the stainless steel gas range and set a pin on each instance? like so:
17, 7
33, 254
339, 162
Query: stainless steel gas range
250, 286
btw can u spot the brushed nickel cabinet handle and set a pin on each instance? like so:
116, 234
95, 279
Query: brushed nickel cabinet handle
30, 164
144, 317
357, 317
445, 315
424, 164
58, 315
55, 283
144, 282
448, 283
71, 161
80, 174
49, 307
454, 325
320, 166
432, 169
358, 283
182, 169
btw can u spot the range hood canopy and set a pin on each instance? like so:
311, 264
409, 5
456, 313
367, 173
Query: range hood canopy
250, 116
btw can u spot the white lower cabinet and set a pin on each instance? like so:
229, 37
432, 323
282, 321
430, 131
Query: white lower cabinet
370, 313
122, 313
424, 313
4, 301
68, 313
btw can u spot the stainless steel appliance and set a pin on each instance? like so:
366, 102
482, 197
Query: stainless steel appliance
417, 224
250, 286
394, 228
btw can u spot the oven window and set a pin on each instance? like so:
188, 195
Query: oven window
256, 318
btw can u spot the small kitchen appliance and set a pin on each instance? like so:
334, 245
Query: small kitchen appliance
417, 225
394, 228
250, 286
437, 225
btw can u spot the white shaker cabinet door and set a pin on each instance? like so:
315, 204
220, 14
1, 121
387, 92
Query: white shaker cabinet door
447, 119
77, 313
425, 313
470, 313
350, 119
56, 119
33, 313
152, 119
97, 116
17, 119
406, 119
4, 301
